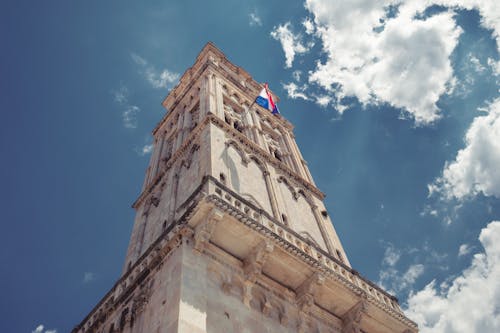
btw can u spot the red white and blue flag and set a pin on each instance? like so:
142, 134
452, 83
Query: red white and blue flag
265, 99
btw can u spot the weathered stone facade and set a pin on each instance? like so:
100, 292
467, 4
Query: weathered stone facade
231, 233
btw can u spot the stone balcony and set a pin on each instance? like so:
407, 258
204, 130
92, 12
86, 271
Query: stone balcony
304, 273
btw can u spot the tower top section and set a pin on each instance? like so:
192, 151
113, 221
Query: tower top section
211, 57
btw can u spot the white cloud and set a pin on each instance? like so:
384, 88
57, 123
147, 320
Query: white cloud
254, 19
129, 116
478, 67
405, 62
396, 282
88, 277
471, 302
41, 329
391, 255
129, 111
38, 329
476, 167
296, 75
290, 42
138, 59
157, 78
309, 26
397, 275
161, 79
294, 91
145, 150
121, 95
464, 249
324, 100
394, 53
494, 65
412, 274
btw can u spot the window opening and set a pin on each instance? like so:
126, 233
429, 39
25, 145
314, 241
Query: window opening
277, 154
339, 255
222, 178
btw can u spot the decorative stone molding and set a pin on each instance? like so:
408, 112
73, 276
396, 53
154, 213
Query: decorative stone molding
204, 230
252, 265
307, 290
352, 318
252, 268
224, 202
142, 297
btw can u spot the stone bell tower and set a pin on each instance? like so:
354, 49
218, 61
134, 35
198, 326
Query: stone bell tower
231, 233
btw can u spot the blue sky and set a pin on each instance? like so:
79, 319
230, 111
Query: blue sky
395, 105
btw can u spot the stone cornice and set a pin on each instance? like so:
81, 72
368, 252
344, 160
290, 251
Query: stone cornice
339, 272
226, 201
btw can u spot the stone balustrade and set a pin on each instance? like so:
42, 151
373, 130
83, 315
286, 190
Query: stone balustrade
212, 191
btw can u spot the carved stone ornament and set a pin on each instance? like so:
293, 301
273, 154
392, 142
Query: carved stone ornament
352, 318
141, 299
203, 231
253, 263
307, 290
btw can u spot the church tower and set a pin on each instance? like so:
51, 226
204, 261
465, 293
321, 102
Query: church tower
231, 233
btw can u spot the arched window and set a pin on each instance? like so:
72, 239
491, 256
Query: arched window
278, 156
237, 126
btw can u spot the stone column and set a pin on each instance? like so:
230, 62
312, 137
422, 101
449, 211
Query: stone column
322, 229
158, 152
308, 173
292, 156
146, 178
204, 96
256, 129
272, 195
218, 97
178, 130
152, 161
297, 157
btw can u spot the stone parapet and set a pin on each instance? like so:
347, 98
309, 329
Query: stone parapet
238, 232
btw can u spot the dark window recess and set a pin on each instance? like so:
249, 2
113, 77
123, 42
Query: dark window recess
164, 224
285, 220
324, 213
277, 154
339, 255
123, 318
237, 126
222, 178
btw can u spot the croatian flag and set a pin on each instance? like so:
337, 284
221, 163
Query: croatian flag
266, 100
